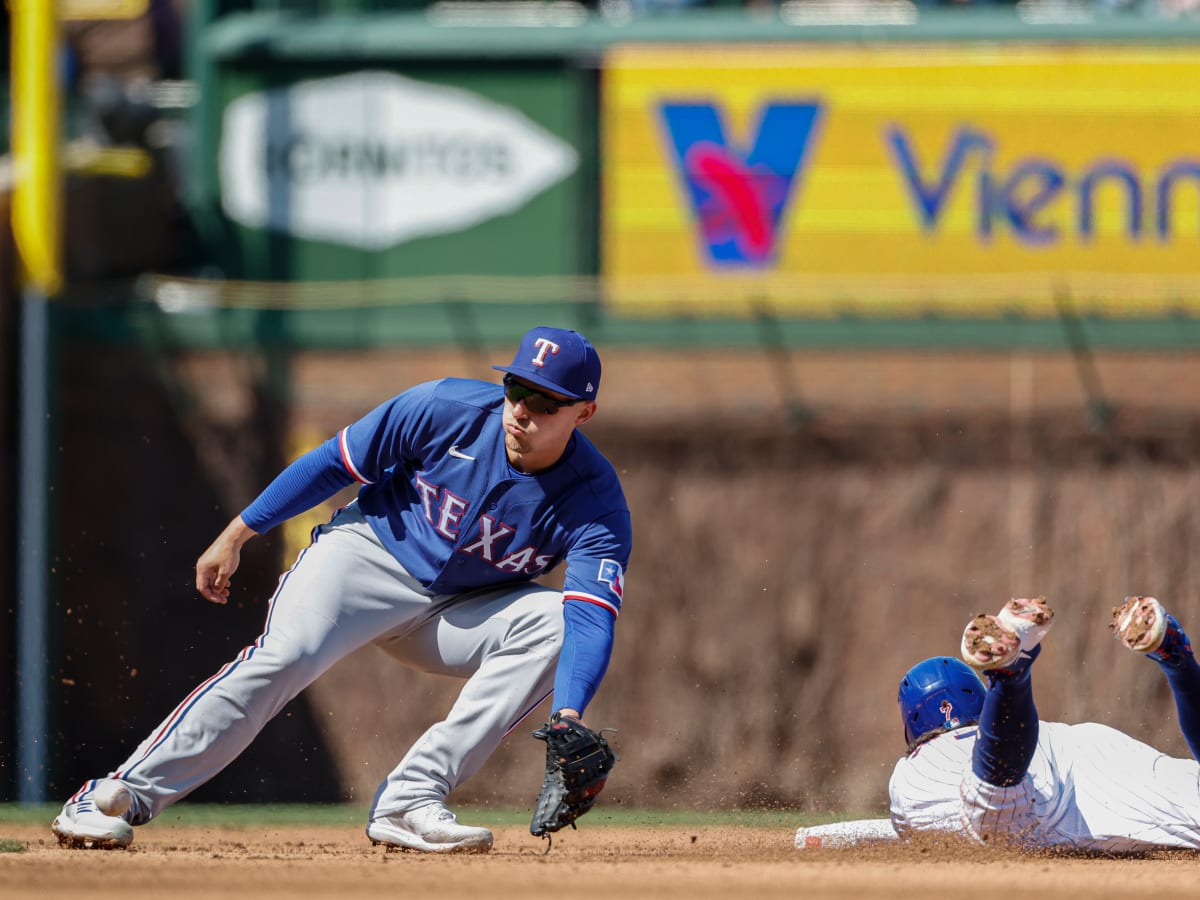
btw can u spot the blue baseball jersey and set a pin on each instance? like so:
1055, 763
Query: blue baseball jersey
441, 495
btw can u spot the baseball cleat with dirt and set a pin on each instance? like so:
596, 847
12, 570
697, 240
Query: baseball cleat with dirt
997, 642
430, 829
81, 826
1030, 618
1142, 625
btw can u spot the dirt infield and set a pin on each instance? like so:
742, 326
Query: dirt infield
595, 862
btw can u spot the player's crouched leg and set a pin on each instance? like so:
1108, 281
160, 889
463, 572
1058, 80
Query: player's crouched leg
505, 642
998, 815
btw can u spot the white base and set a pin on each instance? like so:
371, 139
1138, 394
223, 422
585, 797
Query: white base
845, 834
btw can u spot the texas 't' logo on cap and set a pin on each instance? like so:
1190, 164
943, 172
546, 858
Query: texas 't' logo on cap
544, 346
558, 359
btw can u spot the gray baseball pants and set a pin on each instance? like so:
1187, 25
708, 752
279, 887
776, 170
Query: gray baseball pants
344, 591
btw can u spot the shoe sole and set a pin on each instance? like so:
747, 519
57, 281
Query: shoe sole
1140, 623
988, 644
405, 840
993, 642
1029, 618
82, 842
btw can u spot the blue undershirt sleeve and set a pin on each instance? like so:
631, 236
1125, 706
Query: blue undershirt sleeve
587, 647
1183, 675
314, 477
1008, 730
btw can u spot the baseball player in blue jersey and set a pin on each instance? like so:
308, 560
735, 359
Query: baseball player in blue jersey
469, 491
981, 764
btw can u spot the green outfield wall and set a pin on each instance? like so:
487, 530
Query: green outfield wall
883, 175
361, 177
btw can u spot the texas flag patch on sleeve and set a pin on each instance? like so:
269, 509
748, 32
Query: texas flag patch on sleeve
613, 575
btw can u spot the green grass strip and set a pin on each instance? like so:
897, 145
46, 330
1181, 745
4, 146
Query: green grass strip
237, 815
11, 845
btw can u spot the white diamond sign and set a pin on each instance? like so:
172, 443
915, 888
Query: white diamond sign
373, 159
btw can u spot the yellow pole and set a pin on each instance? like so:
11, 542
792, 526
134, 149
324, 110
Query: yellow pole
37, 230
37, 200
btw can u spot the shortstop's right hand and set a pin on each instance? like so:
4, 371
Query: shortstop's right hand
215, 567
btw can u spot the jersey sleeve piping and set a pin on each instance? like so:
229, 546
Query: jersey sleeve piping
344, 448
592, 598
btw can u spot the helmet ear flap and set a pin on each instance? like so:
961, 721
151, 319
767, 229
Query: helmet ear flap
911, 727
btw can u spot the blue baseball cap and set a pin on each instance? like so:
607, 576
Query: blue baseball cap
558, 359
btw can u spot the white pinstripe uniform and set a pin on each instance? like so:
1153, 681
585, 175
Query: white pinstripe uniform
1089, 787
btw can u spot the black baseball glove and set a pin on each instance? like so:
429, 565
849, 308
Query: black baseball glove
578, 761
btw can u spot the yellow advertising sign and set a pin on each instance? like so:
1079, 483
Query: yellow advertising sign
86, 10
901, 179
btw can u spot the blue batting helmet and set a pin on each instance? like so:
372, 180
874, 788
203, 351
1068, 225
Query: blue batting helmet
939, 693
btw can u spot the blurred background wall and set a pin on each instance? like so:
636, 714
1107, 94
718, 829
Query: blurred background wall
897, 305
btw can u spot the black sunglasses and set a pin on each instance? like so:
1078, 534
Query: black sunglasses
535, 401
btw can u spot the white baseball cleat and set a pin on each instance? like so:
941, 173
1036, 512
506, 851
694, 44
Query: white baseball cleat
994, 642
82, 825
1140, 623
432, 829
